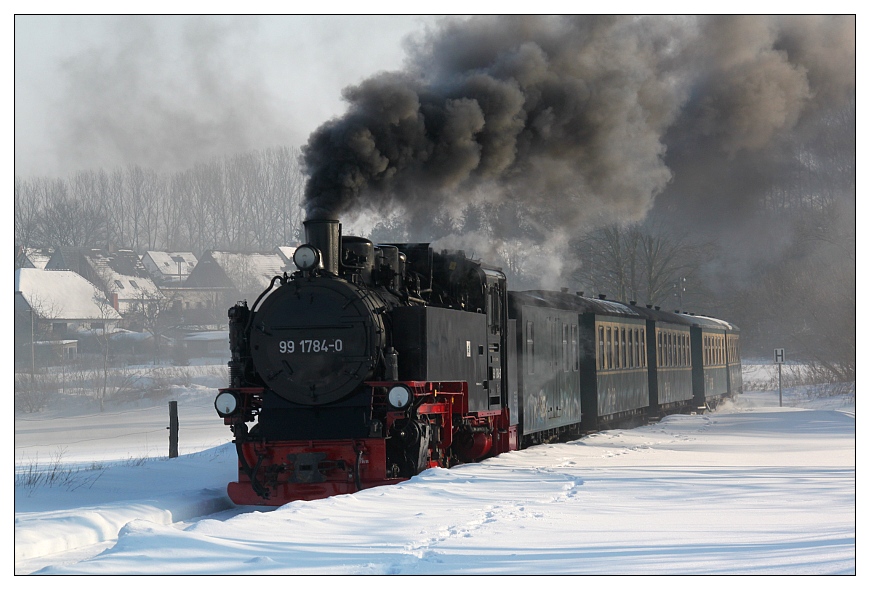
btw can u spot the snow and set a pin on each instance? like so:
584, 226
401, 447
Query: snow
213, 336
62, 294
749, 489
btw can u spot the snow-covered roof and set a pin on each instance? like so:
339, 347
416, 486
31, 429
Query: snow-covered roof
286, 253
250, 270
62, 295
132, 287
711, 321
169, 265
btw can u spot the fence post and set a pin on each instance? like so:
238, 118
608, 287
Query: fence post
173, 429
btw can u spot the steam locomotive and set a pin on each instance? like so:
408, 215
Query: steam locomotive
372, 363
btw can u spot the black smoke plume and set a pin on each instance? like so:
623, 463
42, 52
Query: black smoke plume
591, 117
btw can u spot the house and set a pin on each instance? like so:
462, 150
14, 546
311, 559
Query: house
52, 306
32, 257
169, 268
121, 275
221, 279
214, 344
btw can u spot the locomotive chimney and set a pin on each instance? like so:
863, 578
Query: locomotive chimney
325, 235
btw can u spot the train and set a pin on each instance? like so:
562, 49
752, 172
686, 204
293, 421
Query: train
371, 363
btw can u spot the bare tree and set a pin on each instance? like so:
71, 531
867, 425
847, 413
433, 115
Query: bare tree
26, 219
152, 311
641, 262
107, 315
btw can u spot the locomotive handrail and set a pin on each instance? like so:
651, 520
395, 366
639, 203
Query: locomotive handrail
257, 302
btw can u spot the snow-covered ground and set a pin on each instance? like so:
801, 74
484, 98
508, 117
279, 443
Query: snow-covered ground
750, 489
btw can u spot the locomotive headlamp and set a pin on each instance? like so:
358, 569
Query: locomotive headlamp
399, 397
306, 257
226, 404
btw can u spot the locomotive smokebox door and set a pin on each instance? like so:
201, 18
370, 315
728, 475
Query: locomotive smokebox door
315, 341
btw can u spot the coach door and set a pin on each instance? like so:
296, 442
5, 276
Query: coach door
496, 321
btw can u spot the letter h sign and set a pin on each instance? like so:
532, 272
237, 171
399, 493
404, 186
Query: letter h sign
779, 355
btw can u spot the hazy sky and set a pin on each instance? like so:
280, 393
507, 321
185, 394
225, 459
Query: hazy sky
167, 91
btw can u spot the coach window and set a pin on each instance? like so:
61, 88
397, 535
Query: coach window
642, 347
620, 337
636, 337
575, 349
638, 350
658, 348
614, 347
609, 347
530, 347
564, 348
600, 347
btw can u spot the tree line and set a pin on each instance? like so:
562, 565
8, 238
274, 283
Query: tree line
242, 203
802, 299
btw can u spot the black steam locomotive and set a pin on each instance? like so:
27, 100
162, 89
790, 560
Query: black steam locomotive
372, 363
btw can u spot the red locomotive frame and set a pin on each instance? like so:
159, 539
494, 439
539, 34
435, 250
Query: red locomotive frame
276, 472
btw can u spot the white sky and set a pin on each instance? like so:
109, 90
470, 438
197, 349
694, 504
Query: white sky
302, 62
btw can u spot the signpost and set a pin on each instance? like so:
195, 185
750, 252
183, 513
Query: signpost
779, 358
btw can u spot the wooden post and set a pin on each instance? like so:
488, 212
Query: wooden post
173, 429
